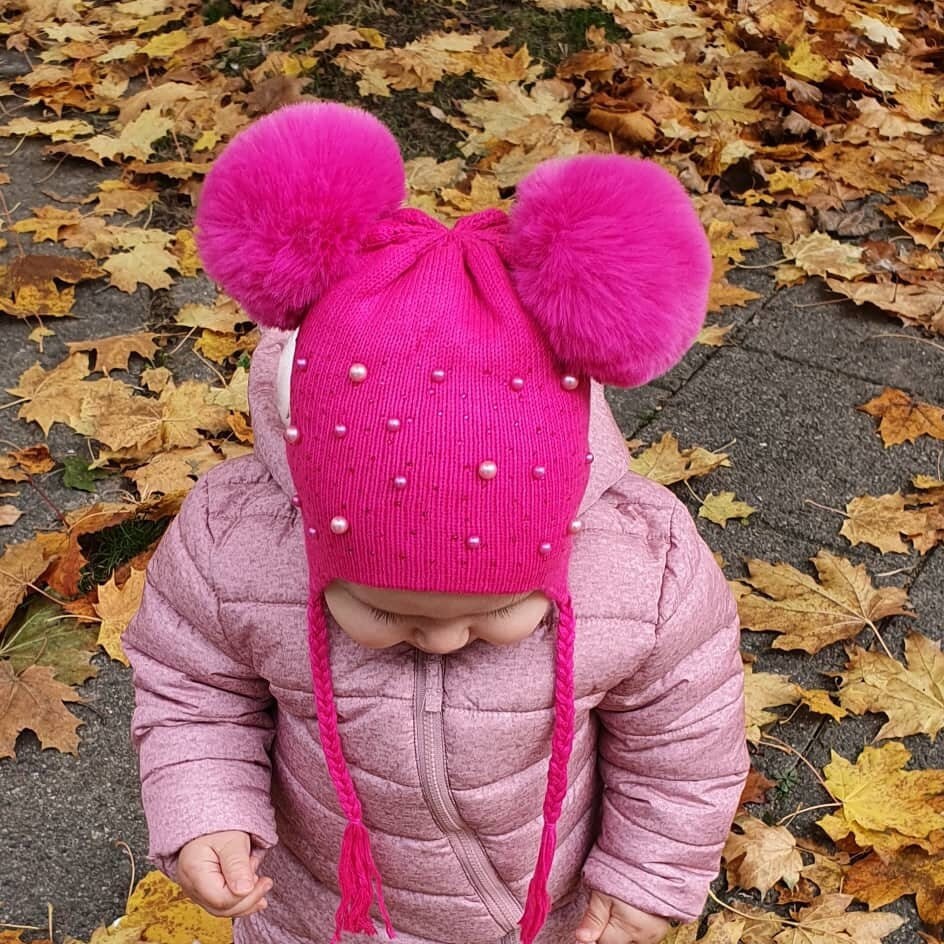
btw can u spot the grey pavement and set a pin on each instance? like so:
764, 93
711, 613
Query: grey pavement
783, 393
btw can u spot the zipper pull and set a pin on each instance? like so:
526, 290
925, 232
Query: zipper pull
433, 698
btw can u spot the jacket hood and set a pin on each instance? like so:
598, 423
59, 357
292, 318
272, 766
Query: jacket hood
269, 411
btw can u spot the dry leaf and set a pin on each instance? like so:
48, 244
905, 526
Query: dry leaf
665, 463
759, 856
904, 419
722, 507
116, 606
884, 806
112, 353
880, 520
912, 696
809, 614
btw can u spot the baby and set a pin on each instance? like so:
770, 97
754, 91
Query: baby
432, 656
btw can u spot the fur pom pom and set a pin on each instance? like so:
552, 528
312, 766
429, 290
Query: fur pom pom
609, 257
284, 209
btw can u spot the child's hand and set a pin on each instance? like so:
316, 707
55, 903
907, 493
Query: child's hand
611, 921
219, 874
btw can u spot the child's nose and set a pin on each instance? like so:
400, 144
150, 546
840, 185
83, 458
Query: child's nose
442, 640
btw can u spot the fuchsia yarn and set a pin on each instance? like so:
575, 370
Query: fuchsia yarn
440, 389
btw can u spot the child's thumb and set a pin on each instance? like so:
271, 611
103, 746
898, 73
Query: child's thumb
595, 919
234, 861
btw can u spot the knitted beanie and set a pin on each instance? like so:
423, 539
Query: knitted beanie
440, 385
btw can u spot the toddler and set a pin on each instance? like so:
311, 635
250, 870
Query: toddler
431, 656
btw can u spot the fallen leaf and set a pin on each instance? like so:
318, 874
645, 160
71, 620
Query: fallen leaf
903, 418
880, 521
826, 921
20, 565
665, 463
884, 806
809, 614
33, 700
116, 606
912, 696
112, 353
722, 507
759, 856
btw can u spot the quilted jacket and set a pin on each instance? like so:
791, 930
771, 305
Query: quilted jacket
448, 753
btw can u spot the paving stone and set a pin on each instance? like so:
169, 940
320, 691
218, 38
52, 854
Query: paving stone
70, 811
803, 323
793, 433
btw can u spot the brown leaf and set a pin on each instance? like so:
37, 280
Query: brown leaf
20, 565
116, 606
911, 871
665, 463
826, 921
880, 520
33, 700
755, 789
904, 419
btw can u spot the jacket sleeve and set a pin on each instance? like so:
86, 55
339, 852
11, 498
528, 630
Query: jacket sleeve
672, 750
201, 724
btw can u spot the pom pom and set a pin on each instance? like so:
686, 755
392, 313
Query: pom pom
284, 209
609, 257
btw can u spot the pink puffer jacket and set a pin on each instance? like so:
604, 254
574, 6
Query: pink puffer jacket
449, 754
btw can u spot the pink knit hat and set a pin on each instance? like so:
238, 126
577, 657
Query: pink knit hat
440, 389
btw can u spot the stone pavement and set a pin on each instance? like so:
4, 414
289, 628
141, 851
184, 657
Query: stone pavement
780, 398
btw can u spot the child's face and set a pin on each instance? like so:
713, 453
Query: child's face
434, 622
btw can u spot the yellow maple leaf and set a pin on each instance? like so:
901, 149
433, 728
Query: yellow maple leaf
819, 254
113, 353
806, 63
912, 696
144, 264
665, 463
53, 396
721, 507
46, 223
20, 565
116, 605
729, 104
164, 45
713, 335
809, 614
168, 916
882, 805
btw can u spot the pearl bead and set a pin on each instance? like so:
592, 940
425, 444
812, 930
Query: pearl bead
488, 470
339, 525
340, 431
575, 526
291, 434
312, 531
589, 457
399, 481
438, 376
473, 541
569, 382
517, 383
539, 471
393, 424
301, 363
545, 549
357, 373
296, 501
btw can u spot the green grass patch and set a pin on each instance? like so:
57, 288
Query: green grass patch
108, 549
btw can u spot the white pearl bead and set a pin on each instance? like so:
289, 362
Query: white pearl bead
517, 383
589, 457
545, 549
473, 541
291, 434
340, 431
357, 373
399, 481
438, 376
539, 471
488, 470
312, 531
569, 382
393, 424
296, 501
301, 363
339, 525
575, 526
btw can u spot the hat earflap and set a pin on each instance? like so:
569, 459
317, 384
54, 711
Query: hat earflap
285, 207
609, 257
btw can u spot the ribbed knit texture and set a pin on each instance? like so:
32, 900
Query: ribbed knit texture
438, 448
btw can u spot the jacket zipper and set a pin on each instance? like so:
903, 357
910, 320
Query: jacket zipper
431, 760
